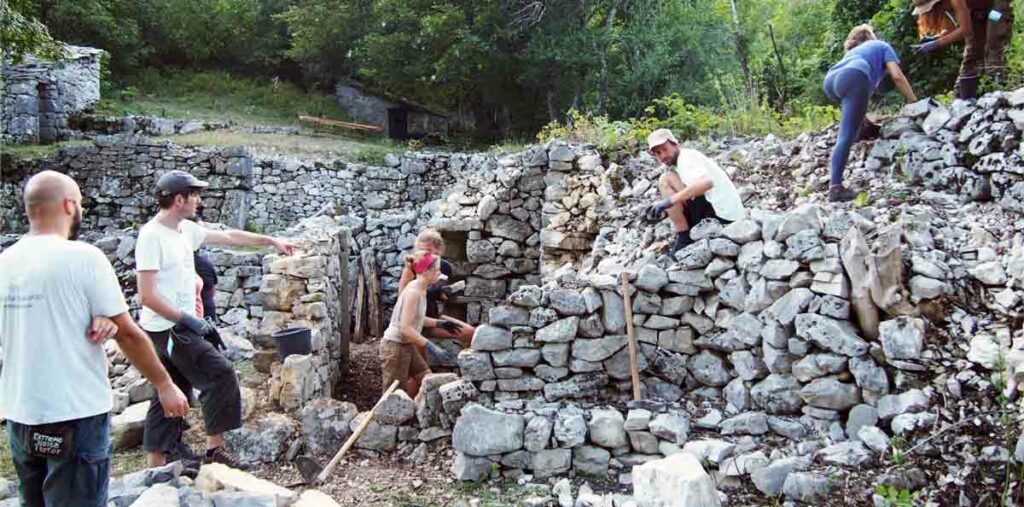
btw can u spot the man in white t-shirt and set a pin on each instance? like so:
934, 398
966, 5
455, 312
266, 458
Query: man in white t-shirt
696, 190
187, 345
54, 390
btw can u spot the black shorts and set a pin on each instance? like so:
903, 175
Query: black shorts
193, 362
698, 209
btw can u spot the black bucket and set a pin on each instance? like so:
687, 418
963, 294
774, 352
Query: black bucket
294, 340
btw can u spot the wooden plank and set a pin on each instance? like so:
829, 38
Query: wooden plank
359, 334
372, 293
631, 336
342, 124
344, 240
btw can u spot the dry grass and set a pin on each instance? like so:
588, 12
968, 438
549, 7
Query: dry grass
308, 144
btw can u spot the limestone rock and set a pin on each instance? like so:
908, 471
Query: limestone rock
483, 432
672, 481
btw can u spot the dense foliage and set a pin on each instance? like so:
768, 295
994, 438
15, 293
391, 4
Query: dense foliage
510, 66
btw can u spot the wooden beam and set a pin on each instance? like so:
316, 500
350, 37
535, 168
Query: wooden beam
372, 293
359, 334
631, 336
341, 124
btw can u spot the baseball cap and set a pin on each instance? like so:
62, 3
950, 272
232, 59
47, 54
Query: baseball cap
659, 137
174, 182
923, 6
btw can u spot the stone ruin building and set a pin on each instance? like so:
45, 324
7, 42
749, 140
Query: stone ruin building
780, 356
39, 98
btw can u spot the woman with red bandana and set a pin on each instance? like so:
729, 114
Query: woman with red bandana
400, 359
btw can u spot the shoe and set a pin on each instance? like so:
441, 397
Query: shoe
839, 193
185, 454
683, 240
224, 457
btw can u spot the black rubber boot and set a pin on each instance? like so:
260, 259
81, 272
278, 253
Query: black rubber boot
966, 87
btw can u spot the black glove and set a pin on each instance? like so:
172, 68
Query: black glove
451, 327
195, 324
213, 337
655, 212
441, 356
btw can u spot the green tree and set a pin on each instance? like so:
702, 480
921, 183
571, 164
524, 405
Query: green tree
22, 34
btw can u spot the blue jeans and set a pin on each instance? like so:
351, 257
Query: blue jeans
80, 481
851, 87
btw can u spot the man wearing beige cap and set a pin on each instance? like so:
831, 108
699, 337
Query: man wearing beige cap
695, 190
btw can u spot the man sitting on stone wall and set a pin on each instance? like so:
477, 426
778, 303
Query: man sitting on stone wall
697, 189
166, 275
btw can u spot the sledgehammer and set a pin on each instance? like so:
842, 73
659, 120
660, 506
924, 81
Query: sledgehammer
316, 474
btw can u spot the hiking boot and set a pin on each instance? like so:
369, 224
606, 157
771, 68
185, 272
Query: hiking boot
224, 457
683, 240
839, 193
185, 454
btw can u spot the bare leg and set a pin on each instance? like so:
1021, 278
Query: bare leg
214, 441
412, 386
155, 459
669, 184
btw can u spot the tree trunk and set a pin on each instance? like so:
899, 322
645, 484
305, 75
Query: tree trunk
602, 94
741, 49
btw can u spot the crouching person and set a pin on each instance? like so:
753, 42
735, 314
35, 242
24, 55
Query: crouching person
399, 347
693, 189
437, 293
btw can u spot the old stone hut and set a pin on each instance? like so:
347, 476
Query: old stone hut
399, 118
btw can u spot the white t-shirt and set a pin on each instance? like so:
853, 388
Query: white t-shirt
169, 253
50, 289
723, 196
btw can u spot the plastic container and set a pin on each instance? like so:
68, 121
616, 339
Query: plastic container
294, 340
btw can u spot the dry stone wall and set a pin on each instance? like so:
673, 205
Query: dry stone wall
117, 176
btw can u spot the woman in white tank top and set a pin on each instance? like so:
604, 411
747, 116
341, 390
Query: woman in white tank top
400, 359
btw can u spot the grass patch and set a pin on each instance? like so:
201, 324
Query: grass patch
217, 96
122, 463
245, 369
307, 145
36, 151
6, 465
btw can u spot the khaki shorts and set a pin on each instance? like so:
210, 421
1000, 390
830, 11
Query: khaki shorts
400, 361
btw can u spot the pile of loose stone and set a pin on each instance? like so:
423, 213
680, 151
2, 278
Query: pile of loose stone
752, 327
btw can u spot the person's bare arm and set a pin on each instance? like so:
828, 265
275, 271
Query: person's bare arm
137, 347
244, 238
100, 329
404, 280
697, 189
962, 32
900, 81
152, 299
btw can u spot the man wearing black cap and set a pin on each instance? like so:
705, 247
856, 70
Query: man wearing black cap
167, 282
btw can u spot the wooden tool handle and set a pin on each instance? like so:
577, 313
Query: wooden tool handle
355, 435
628, 303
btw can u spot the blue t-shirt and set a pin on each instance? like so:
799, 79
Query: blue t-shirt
870, 58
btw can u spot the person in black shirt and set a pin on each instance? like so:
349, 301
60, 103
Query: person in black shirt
206, 271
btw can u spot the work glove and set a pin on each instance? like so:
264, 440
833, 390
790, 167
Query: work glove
441, 356
926, 47
451, 327
655, 212
213, 337
195, 324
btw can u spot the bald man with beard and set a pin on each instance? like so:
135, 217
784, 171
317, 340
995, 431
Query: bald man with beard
55, 294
